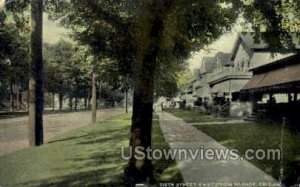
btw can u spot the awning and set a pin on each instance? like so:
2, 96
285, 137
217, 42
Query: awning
281, 78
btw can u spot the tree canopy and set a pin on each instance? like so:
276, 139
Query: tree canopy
148, 42
14, 57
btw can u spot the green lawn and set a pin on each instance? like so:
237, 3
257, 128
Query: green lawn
261, 136
165, 170
193, 116
87, 156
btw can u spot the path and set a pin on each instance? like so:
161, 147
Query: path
13, 132
208, 172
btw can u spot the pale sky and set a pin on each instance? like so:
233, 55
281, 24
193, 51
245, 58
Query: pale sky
1, 4
52, 32
224, 44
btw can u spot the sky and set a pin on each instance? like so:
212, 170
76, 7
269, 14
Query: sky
224, 44
52, 32
2, 3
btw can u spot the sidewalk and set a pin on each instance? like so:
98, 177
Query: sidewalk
234, 121
235, 172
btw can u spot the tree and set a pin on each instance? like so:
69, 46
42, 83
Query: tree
68, 71
94, 96
58, 64
36, 92
153, 33
36, 100
149, 33
168, 79
103, 40
80, 70
274, 21
14, 56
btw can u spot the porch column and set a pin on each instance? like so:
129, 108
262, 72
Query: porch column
229, 91
289, 97
295, 96
253, 102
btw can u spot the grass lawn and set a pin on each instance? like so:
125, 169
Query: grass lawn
191, 116
90, 156
165, 170
261, 136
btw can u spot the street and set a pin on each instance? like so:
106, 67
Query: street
13, 132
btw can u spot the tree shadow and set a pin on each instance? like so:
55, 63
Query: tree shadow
90, 156
98, 164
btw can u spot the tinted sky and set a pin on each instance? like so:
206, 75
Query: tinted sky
52, 32
224, 44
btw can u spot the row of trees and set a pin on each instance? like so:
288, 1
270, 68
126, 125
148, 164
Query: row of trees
14, 58
145, 39
64, 70
152, 37
69, 74
67, 69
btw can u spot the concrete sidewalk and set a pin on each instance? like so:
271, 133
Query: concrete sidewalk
206, 172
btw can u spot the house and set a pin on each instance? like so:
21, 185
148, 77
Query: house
278, 77
220, 79
202, 91
227, 80
187, 95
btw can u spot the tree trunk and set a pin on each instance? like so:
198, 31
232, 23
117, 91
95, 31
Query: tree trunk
60, 98
12, 103
85, 103
126, 101
53, 101
99, 94
19, 103
94, 98
36, 92
141, 170
71, 103
76, 103
89, 102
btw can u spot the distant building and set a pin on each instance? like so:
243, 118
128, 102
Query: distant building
220, 79
188, 96
202, 91
279, 77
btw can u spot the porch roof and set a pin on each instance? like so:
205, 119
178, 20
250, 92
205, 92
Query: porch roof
280, 79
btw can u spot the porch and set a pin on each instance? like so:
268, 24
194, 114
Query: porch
280, 78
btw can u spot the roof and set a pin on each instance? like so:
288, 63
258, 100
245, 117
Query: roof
257, 42
208, 64
294, 59
196, 73
248, 41
253, 42
224, 58
283, 77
